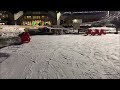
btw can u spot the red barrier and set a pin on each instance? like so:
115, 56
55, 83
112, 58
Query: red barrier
25, 37
96, 31
89, 31
102, 31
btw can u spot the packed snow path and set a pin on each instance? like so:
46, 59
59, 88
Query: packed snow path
63, 57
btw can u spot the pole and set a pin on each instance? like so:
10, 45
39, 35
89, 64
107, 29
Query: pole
58, 18
108, 13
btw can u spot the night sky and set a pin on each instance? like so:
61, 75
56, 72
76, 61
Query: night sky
15, 11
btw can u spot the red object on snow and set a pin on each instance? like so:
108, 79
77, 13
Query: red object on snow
96, 31
89, 31
102, 31
25, 37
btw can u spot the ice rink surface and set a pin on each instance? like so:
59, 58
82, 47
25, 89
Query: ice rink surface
63, 57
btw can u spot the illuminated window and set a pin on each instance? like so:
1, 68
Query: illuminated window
34, 17
24, 23
47, 23
28, 17
43, 16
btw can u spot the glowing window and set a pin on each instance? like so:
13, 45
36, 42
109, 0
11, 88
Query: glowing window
43, 16
28, 17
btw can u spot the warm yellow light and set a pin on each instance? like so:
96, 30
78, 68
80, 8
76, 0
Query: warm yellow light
43, 16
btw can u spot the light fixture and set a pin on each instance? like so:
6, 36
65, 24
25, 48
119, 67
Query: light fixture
75, 20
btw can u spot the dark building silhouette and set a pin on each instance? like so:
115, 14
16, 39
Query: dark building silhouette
6, 18
86, 16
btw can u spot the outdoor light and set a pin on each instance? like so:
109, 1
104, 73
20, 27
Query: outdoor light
75, 21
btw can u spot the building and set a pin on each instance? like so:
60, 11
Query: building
36, 18
6, 18
85, 16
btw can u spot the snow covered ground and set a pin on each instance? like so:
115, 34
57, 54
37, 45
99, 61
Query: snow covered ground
63, 57
6, 32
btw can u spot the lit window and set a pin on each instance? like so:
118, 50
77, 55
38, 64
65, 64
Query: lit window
37, 17
28, 17
34, 17
43, 16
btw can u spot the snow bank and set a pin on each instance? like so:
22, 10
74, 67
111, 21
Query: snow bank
6, 32
9, 35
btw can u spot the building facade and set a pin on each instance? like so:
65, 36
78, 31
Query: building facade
37, 18
85, 16
6, 18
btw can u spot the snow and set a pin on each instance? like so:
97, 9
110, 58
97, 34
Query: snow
63, 57
6, 32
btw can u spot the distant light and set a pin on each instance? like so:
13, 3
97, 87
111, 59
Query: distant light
75, 21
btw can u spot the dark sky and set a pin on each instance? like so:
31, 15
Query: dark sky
14, 11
